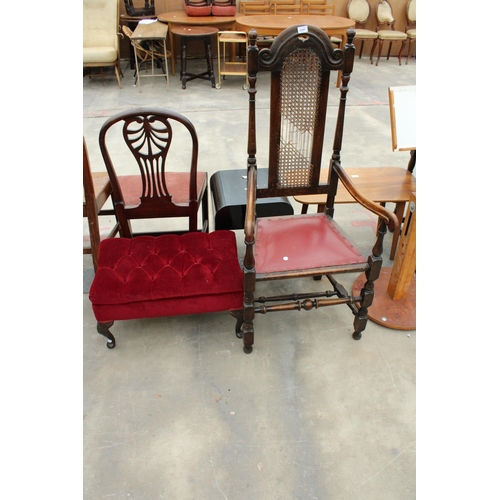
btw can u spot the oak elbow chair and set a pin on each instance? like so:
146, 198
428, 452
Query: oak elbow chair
300, 61
168, 274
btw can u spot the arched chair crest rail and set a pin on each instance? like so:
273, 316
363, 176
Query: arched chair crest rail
300, 61
156, 191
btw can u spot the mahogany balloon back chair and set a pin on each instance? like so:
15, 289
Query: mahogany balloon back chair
156, 191
300, 61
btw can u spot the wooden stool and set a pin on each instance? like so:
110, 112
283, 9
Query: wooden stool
204, 33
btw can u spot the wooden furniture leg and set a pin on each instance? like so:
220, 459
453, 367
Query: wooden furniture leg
394, 305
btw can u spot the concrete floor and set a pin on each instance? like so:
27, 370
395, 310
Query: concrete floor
178, 411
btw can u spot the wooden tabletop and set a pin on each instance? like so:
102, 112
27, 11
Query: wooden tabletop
180, 17
134, 19
394, 185
150, 31
275, 24
194, 30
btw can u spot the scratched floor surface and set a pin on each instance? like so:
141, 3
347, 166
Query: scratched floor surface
178, 411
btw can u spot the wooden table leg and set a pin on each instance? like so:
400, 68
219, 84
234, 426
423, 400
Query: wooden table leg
403, 270
172, 49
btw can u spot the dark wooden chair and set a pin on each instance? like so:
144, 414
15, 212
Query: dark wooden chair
147, 10
159, 275
96, 191
155, 192
311, 245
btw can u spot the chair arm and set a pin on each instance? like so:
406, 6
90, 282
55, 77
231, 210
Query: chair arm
249, 227
388, 217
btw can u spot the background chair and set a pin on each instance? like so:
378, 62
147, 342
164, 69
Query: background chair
359, 11
148, 51
198, 8
96, 191
254, 7
299, 246
101, 46
320, 8
147, 10
411, 24
317, 7
157, 192
223, 7
283, 7
385, 18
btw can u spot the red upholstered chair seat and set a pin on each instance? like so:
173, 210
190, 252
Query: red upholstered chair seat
198, 7
223, 8
301, 242
177, 182
167, 275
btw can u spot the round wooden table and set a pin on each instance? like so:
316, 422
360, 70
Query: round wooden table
272, 25
204, 33
179, 17
269, 25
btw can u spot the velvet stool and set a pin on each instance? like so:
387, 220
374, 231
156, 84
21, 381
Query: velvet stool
169, 275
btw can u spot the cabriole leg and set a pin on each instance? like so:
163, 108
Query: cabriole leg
239, 321
103, 329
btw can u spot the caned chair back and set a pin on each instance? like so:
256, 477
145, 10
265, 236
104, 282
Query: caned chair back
300, 66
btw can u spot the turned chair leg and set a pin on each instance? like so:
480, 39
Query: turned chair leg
403, 43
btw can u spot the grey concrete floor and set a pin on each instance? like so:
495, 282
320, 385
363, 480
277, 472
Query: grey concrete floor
178, 411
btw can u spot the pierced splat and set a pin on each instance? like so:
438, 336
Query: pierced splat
149, 139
